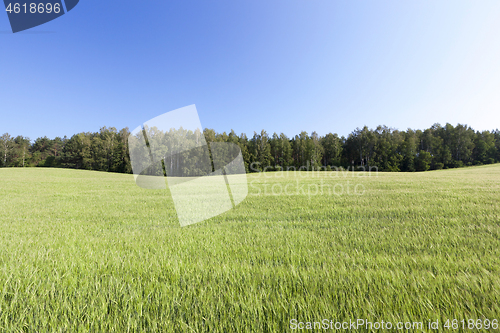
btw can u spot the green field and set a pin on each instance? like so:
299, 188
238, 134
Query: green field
85, 251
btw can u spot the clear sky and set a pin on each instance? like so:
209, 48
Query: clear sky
279, 65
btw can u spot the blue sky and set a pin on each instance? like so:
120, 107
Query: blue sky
279, 65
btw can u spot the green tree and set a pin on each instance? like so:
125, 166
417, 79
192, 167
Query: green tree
6, 144
22, 151
423, 161
260, 148
332, 147
409, 150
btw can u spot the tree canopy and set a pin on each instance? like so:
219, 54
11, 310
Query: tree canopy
386, 149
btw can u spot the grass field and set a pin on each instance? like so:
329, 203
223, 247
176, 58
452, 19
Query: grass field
86, 251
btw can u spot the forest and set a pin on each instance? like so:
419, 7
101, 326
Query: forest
383, 148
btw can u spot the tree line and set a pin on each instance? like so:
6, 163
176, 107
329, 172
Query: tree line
383, 148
